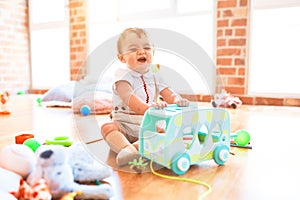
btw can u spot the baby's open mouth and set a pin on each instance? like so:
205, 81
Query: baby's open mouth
142, 59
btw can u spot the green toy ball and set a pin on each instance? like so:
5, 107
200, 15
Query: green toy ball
32, 144
39, 101
21, 92
242, 138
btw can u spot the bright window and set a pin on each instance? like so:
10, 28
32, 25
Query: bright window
192, 18
275, 48
49, 43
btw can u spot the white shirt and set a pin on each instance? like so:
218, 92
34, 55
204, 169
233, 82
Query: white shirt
144, 86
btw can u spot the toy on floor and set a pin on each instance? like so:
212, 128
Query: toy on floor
16, 162
63, 169
60, 140
66, 169
225, 100
192, 134
241, 138
4, 98
85, 110
138, 165
32, 143
20, 139
39, 191
39, 101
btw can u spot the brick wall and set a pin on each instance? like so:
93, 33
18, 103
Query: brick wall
232, 44
232, 52
78, 38
14, 46
232, 37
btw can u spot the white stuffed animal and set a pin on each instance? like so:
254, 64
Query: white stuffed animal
61, 169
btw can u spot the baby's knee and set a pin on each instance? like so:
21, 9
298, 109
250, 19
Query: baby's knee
108, 128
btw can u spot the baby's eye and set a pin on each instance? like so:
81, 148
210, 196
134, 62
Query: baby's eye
147, 48
133, 49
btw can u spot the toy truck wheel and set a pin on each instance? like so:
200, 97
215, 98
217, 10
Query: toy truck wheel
181, 163
221, 154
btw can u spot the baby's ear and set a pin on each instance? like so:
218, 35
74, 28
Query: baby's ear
121, 58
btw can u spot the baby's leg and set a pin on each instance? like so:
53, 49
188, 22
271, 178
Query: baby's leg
119, 143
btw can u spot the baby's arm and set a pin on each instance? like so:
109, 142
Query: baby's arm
172, 98
125, 91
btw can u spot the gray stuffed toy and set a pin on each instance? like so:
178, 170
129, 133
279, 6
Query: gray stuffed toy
65, 170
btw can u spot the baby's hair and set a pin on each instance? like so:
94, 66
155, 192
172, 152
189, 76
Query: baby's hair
139, 31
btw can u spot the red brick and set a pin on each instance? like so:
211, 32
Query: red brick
247, 100
227, 4
237, 42
228, 52
206, 98
236, 81
243, 2
227, 13
235, 89
239, 61
241, 71
221, 42
240, 32
269, 101
224, 61
239, 22
226, 71
292, 102
220, 32
223, 23
228, 32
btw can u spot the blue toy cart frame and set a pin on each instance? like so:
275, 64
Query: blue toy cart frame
178, 137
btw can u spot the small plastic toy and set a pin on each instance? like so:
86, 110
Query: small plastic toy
241, 139
85, 110
138, 165
191, 135
20, 139
32, 143
60, 140
39, 101
4, 98
225, 100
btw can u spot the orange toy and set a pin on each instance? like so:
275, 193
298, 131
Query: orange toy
39, 191
4, 97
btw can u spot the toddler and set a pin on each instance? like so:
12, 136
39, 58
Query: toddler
136, 88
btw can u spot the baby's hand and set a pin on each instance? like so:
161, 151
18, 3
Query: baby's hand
159, 105
182, 102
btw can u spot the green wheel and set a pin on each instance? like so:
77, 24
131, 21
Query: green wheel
221, 154
181, 163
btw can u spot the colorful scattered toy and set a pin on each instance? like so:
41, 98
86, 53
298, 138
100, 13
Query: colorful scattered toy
39, 191
191, 135
63, 169
60, 140
20, 139
241, 138
32, 143
138, 165
85, 110
50, 173
225, 100
4, 98
39, 101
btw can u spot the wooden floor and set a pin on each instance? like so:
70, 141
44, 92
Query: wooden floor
271, 170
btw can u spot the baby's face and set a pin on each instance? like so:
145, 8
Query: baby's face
137, 52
